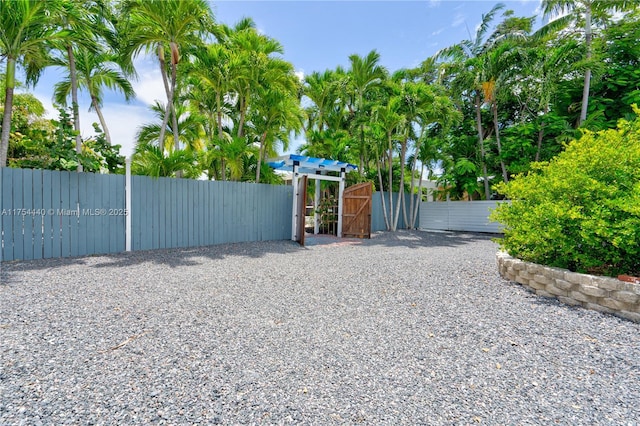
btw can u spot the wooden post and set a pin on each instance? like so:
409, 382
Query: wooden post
127, 204
316, 203
340, 191
294, 215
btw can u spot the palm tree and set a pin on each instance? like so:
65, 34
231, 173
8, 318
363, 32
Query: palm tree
235, 152
364, 74
583, 9
548, 67
95, 71
320, 89
150, 160
258, 68
75, 22
467, 63
389, 120
164, 26
27, 29
277, 114
189, 132
497, 63
209, 83
435, 116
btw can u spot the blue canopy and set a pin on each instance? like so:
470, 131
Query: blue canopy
310, 164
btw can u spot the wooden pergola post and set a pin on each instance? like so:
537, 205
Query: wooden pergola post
312, 168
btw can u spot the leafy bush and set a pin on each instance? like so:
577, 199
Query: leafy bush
581, 210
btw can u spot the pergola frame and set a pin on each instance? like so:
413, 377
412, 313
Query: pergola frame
313, 168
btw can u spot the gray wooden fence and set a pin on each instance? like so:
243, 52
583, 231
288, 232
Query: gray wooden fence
59, 214
170, 213
377, 215
47, 214
470, 216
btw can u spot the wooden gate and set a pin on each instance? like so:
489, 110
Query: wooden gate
356, 211
302, 209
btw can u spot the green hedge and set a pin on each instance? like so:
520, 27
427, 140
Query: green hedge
581, 210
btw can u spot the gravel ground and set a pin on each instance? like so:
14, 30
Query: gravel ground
406, 328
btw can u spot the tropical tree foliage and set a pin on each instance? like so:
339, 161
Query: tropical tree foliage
473, 115
581, 210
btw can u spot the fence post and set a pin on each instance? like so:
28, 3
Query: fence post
127, 202
340, 195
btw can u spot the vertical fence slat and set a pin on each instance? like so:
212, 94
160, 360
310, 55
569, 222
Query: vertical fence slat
98, 230
48, 184
121, 220
18, 236
206, 212
192, 196
38, 226
58, 237
230, 228
136, 222
27, 218
74, 191
62, 220
153, 213
147, 214
202, 208
109, 201
103, 226
161, 208
84, 204
183, 217
7, 213
218, 219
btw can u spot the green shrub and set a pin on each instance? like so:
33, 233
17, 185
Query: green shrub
581, 210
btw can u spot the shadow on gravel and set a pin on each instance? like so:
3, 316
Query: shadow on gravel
189, 256
171, 257
421, 239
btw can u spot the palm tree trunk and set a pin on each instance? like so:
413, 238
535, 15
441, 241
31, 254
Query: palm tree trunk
541, 133
483, 164
401, 199
263, 138
103, 123
10, 83
392, 220
411, 225
74, 102
418, 200
243, 113
219, 115
174, 116
494, 107
167, 112
587, 73
384, 207
223, 166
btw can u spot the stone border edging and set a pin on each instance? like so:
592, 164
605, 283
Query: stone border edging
602, 294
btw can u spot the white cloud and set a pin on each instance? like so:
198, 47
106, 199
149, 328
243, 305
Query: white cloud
123, 122
435, 33
434, 3
149, 86
300, 74
458, 20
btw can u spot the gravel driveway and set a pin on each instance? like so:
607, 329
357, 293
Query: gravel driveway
406, 328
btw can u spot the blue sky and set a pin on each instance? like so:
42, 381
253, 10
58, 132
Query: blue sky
316, 35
